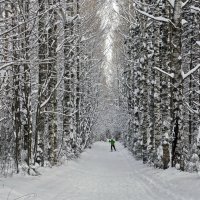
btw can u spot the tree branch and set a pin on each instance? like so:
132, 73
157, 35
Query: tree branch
164, 72
190, 72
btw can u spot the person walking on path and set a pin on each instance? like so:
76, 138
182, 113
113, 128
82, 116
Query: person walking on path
112, 142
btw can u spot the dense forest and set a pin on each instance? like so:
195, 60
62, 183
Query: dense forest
48, 98
74, 71
160, 82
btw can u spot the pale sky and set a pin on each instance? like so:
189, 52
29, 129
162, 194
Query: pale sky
110, 21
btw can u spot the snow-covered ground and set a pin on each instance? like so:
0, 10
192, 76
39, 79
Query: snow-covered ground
103, 175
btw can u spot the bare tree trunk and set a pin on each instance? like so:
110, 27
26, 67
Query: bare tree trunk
164, 91
16, 108
52, 67
177, 87
43, 82
26, 88
68, 55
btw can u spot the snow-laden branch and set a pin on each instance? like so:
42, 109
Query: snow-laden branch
195, 8
6, 65
163, 19
27, 21
184, 76
66, 18
184, 3
197, 103
58, 113
198, 42
164, 72
191, 109
2, 119
160, 18
171, 2
47, 100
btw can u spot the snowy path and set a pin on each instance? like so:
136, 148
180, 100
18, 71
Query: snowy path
103, 175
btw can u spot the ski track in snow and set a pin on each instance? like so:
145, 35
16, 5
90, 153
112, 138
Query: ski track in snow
103, 175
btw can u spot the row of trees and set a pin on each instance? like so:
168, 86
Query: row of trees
70, 69
159, 82
47, 98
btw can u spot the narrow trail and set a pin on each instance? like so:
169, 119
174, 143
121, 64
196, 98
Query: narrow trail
103, 175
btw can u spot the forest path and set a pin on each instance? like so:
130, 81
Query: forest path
103, 175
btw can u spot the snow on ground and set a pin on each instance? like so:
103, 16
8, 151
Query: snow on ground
103, 175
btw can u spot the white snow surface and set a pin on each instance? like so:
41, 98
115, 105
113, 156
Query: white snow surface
103, 175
